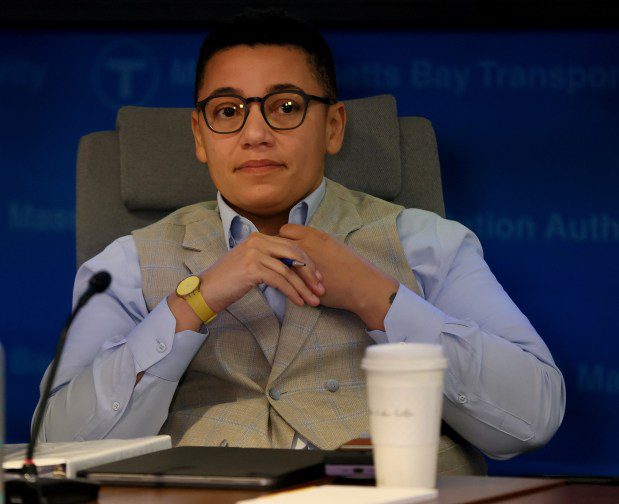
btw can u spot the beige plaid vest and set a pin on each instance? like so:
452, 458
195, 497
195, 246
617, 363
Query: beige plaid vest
254, 383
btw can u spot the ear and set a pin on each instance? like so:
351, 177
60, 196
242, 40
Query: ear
197, 137
336, 124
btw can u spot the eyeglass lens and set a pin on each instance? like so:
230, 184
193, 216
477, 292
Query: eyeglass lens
281, 110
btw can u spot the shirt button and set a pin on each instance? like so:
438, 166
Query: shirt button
332, 385
461, 398
275, 394
161, 347
115, 405
245, 229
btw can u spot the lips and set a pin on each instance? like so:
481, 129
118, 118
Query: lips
259, 164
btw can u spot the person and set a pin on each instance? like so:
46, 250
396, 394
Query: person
252, 351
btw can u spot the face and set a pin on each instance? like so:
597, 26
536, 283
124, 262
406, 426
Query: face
260, 170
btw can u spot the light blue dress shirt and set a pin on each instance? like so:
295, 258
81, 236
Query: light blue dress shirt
503, 391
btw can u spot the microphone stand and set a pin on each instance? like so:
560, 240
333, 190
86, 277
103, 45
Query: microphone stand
29, 488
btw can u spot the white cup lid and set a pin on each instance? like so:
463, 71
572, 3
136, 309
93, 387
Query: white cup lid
404, 356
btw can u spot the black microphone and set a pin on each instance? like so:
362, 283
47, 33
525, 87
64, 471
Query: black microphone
100, 281
28, 487
97, 283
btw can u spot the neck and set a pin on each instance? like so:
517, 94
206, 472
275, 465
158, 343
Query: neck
266, 224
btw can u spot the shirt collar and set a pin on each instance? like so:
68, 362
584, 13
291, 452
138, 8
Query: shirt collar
237, 228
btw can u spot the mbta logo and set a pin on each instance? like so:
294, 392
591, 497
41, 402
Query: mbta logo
125, 73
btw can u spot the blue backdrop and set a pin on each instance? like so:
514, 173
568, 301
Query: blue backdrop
527, 131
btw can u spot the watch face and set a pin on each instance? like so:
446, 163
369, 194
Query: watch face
187, 286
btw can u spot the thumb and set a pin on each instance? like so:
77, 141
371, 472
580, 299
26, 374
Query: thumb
292, 231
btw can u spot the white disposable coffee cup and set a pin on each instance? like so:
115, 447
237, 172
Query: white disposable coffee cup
405, 398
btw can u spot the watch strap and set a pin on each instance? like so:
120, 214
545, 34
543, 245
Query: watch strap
199, 306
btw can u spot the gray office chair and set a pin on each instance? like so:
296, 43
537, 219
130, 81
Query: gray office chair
131, 177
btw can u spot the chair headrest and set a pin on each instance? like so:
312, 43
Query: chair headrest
159, 170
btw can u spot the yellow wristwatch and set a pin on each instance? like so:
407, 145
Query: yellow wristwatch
189, 290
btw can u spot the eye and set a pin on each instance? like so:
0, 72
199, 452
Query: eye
288, 107
285, 106
226, 111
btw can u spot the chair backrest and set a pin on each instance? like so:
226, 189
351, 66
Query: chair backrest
146, 168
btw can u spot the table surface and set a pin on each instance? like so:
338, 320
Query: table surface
570, 494
452, 490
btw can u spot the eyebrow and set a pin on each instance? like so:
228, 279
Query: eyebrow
285, 85
274, 87
226, 90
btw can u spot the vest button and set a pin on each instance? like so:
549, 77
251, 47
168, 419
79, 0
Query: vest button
332, 385
275, 394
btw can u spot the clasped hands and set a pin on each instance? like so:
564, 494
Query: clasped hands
334, 275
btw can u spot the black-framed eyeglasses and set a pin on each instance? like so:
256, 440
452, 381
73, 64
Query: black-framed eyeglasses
282, 110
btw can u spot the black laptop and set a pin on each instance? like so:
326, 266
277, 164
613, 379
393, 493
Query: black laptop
200, 466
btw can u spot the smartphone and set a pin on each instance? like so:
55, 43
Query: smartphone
354, 464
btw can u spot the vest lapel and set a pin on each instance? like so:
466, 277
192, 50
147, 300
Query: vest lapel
253, 311
205, 244
338, 217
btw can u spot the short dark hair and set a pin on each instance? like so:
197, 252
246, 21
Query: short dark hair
270, 27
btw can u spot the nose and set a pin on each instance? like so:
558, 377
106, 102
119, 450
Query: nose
256, 131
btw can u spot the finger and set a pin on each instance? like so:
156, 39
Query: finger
277, 281
318, 275
274, 246
291, 276
308, 275
293, 231
308, 272
283, 248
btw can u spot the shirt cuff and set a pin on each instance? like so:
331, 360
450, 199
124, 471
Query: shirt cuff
157, 350
411, 319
